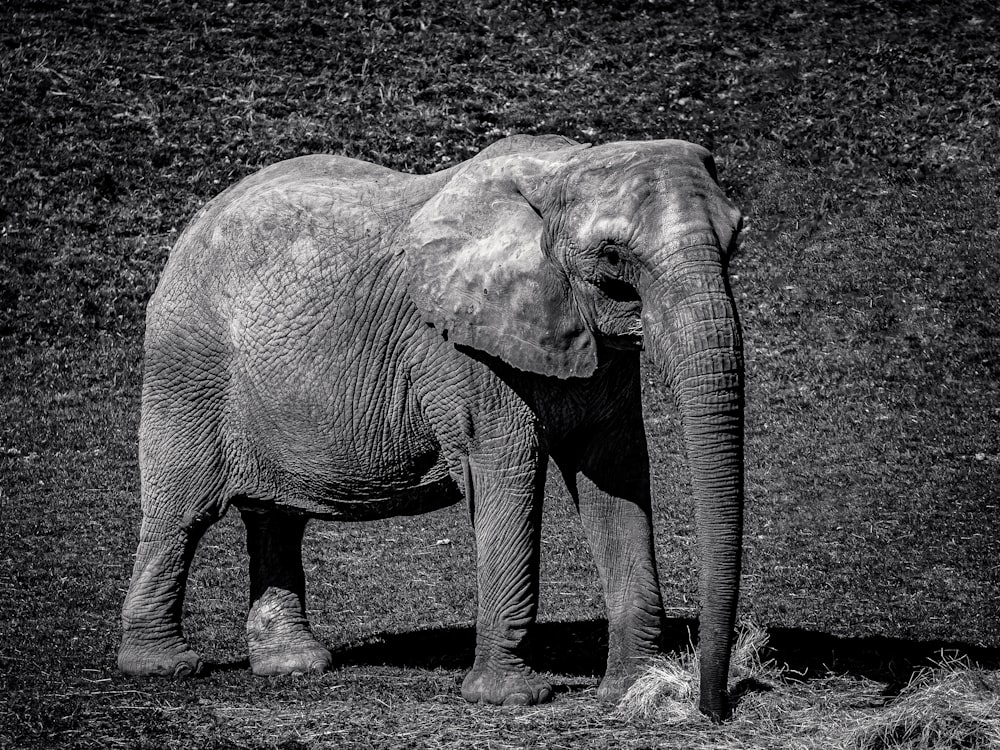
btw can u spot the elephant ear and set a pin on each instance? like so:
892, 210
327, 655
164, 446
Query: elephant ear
478, 274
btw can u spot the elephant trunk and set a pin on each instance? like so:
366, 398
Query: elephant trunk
694, 336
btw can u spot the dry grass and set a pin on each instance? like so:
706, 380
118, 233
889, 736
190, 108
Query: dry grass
668, 691
954, 705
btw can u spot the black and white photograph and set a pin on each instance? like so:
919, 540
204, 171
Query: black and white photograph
499, 375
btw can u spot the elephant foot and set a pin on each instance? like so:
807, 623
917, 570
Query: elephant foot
280, 640
620, 676
519, 686
177, 662
306, 656
613, 688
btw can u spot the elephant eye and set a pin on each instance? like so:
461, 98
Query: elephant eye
611, 252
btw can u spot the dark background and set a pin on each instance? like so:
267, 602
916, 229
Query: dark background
860, 138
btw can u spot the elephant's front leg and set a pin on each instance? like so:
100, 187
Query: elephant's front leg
611, 487
506, 506
278, 633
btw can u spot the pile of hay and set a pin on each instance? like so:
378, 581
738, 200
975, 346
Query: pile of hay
953, 705
668, 691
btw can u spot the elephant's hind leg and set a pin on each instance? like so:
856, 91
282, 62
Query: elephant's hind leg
278, 633
180, 500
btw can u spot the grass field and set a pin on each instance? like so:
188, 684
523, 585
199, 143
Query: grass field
861, 140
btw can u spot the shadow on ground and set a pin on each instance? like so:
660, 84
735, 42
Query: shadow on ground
811, 654
580, 648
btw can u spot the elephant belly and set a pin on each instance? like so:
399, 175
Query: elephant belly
350, 469
348, 491
402, 501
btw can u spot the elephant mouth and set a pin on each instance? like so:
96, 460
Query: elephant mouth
629, 340
624, 344
619, 325
613, 314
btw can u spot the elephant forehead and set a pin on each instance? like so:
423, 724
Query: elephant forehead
611, 212
663, 200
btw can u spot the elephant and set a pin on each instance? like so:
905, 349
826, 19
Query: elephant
335, 339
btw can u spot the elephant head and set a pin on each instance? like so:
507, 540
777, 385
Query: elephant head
552, 261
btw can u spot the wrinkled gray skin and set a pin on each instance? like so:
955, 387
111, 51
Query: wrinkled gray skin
335, 339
